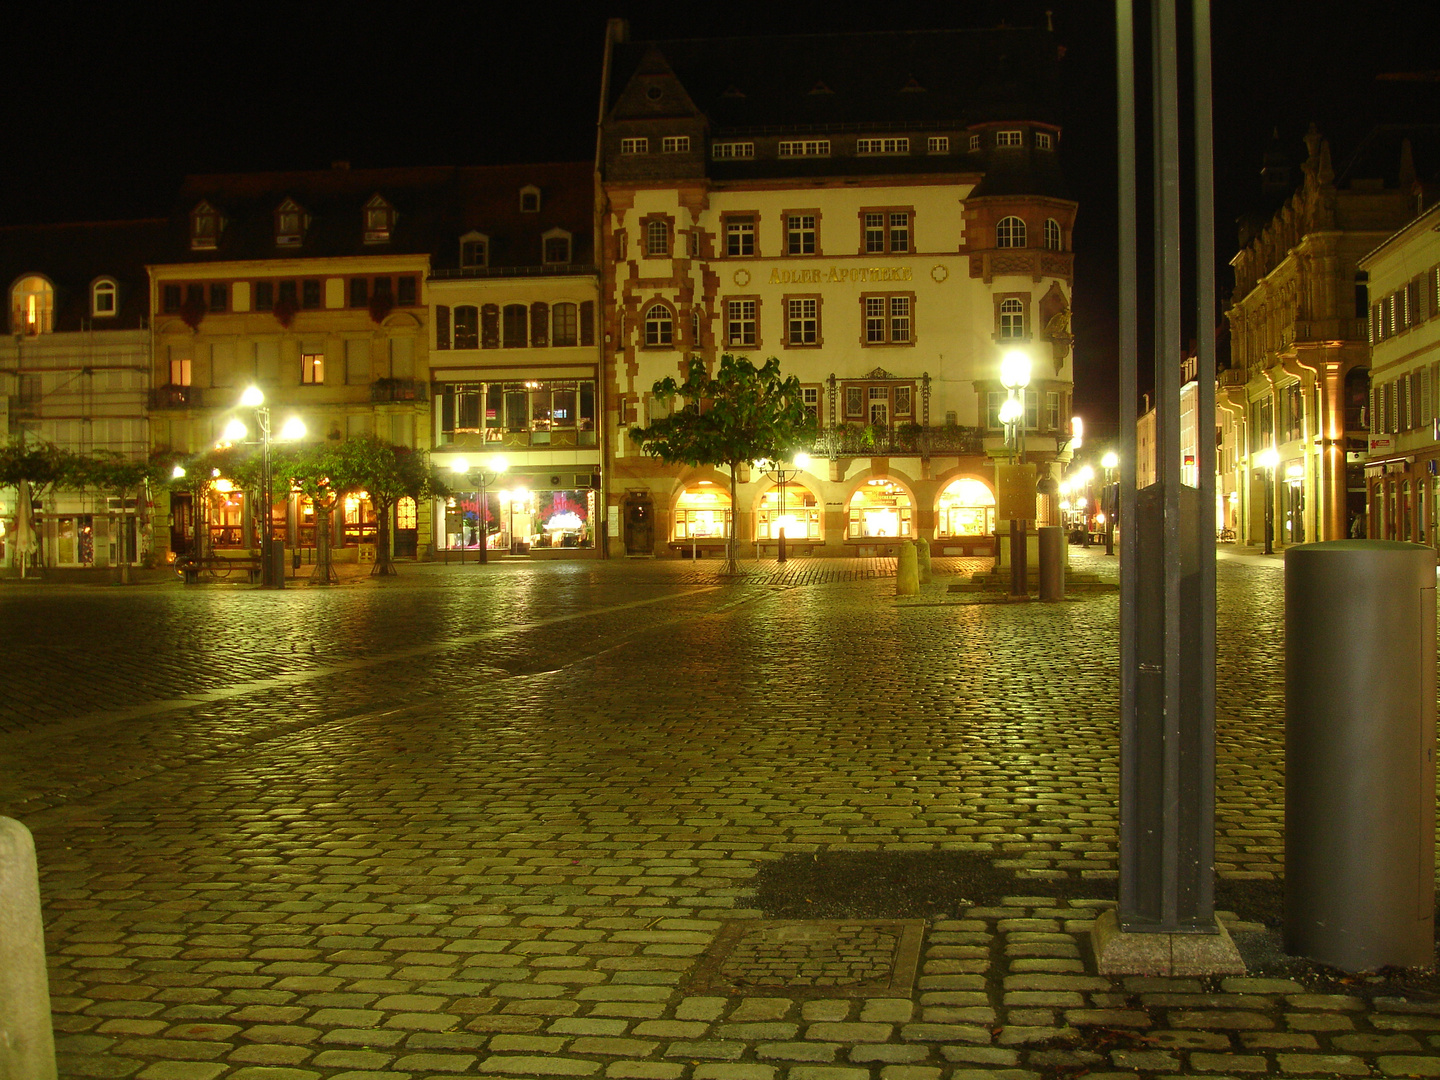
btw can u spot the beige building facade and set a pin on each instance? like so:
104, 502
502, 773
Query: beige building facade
888, 254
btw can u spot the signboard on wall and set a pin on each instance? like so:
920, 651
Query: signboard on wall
1015, 492
1381, 444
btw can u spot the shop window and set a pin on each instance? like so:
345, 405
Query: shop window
563, 325
1010, 233
702, 513
966, 508
659, 327
32, 306
799, 516
880, 508
102, 298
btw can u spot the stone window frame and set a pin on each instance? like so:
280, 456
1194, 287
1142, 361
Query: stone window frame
1006, 233
819, 341
725, 302
887, 230
1054, 232
1026, 322
785, 216
889, 317
647, 224
673, 319
737, 215
108, 289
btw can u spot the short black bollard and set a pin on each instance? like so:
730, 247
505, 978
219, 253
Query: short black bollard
1360, 753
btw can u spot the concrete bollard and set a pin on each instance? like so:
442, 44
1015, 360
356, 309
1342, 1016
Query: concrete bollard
907, 571
27, 1042
922, 558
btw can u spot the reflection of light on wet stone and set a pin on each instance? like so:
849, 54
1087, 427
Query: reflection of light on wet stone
843, 954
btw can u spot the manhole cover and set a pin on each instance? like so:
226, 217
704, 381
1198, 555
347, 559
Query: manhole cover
831, 958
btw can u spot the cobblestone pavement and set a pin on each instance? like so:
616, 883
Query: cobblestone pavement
504, 821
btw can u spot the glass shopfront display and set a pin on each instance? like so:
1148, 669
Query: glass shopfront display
703, 513
466, 522
546, 519
880, 508
358, 520
967, 508
799, 517
227, 515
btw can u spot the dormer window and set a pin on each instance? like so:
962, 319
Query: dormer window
530, 199
290, 222
32, 306
379, 220
474, 251
1009, 138
103, 298
556, 247
205, 227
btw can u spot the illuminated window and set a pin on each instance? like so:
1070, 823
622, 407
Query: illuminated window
1010, 233
799, 517
659, 327
32, 306
102, 298
702, 513
312, 368
1052, 234
966, 508
880, 508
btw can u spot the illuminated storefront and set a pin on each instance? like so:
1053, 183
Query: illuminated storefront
702, 513
544, 520
800, 517
881, 508
966, 508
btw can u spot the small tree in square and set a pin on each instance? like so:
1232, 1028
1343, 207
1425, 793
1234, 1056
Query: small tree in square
386, 474
741, 414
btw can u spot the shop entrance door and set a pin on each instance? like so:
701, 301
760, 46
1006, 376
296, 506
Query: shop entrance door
639, 526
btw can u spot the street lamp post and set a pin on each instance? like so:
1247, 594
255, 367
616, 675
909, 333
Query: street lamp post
254, 398
1015, 377
1268, 459
781, 474
490, 471
1112, 501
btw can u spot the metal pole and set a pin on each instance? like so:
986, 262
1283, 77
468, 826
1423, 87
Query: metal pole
484, 526
780, 538
1269, 511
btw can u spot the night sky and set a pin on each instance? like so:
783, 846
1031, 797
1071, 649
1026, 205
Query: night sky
109, 106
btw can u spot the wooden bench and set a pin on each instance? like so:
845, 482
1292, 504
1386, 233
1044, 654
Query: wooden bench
217, 567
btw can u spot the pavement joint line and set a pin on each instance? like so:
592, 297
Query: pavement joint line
189, 699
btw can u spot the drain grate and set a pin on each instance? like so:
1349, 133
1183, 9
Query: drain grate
830, 958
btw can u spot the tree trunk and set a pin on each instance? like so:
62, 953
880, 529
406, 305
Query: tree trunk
732, 564
324, 573
384, 564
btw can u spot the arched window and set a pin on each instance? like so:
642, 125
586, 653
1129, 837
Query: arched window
32, 306
703, 513
563, 325
659, 326
1012, 319
967, 508
1052, 234
657, 238
103, 298
1010, 233
800, 516
880, 508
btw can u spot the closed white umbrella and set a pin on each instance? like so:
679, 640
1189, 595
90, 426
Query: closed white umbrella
25, 540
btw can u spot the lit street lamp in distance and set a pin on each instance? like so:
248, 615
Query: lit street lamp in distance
487, 473
1268, 459
271, 576
1110, 462
781, 474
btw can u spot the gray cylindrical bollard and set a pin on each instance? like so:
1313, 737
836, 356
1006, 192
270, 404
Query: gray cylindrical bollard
922, 560
1052, 562
907, 571
27, 1043
1360, 753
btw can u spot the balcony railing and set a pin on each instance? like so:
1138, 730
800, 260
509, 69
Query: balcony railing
175, 397
908, 439
397, 390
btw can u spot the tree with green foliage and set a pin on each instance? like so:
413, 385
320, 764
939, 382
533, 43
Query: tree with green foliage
740, 414
33, 469
386, 474
318, 471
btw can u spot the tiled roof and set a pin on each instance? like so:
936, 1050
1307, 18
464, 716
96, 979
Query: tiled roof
820, 80
73, 256
434, 207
